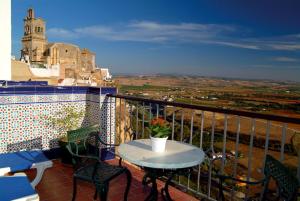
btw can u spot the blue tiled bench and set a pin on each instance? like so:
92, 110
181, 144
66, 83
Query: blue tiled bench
17, 188
24, 160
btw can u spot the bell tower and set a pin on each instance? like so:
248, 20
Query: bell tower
34, 40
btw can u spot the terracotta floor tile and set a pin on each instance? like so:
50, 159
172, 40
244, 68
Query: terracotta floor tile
57, 185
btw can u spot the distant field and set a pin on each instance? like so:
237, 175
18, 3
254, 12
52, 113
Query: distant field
145, 87
281, 98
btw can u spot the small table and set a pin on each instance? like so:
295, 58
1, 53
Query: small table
179, 158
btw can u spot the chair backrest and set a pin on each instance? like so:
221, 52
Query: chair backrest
287, 182
295, 142
81, 133
78, 139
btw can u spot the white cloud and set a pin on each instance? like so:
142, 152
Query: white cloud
278, 67
95, 31
61, 33
146, 31
154, 32
237, 45
285, 59
262, 66
287, 46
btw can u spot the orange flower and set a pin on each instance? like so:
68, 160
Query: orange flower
158, 121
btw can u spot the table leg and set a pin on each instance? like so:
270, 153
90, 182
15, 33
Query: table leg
146, 179
165, 190
154, 193
152, 174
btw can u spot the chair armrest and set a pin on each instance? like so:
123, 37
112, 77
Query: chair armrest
222, 178
96, 134
225, 177
81, 156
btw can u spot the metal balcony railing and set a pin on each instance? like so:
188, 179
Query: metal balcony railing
239, 139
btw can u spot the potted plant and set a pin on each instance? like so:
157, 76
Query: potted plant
65, 120
159, 133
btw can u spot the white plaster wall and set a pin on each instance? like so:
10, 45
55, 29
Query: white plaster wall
45, 72
5, 40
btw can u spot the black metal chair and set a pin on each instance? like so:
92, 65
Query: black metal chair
84, 146
287, 183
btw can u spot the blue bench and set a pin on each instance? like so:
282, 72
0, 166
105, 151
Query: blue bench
17, 188
24, 160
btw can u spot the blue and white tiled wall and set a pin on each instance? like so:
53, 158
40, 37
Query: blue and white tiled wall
24, 110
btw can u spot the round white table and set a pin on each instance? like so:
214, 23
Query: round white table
178, 157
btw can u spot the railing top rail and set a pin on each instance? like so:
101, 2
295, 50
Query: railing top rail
256, 115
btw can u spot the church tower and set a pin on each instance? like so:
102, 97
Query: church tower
34, 40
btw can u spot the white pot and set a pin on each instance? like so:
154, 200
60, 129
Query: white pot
158, 144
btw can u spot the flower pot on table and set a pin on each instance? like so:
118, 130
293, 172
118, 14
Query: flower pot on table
158, 144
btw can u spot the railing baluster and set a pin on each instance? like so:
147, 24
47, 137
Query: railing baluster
283, 136
266, 144
157, 110
213, 132
130, 120
191, 142
209, 179
120, 119
212, 149
143, 121
173, 124
181, 133
192, 127
125, 133
238, 129
201, 132
137, 122
200, 145
237, 145
165, 112
224, 144
150, 112
181, 125
198, 178
250, 153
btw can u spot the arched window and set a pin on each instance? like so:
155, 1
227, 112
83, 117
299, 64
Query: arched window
39, 29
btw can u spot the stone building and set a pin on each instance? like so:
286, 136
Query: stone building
74, 63
34, 40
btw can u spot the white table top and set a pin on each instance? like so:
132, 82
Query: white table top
177, 154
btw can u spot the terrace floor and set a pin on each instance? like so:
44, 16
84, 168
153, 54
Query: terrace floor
56, 185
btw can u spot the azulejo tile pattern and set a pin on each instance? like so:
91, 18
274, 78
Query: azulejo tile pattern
23, 118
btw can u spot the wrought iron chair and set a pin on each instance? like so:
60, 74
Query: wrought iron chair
84, 146
295, 142
287, 183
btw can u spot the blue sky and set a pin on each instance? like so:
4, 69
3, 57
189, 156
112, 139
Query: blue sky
255, 39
